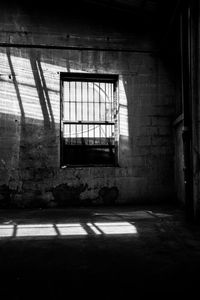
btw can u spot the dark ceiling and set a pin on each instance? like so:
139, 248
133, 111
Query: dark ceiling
156, 14
150, 7
145, 15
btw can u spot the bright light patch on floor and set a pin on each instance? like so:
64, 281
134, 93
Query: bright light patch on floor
51, 75
6, 230
117, 228
35, 230
94, 229
70, 229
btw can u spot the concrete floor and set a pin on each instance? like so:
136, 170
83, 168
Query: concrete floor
128, 253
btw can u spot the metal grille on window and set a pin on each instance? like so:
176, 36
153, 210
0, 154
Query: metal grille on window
88, 122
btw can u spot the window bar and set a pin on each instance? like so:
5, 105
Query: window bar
105, 111
88, 110
70, 141
114, 110
61, 118
99, 114
76, 109
109, 103
115, 126
93, 112
82, 110
111, 98
114, 102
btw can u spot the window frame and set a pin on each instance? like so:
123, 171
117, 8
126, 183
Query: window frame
90, 77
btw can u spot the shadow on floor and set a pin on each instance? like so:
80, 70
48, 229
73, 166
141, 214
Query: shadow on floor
161, 258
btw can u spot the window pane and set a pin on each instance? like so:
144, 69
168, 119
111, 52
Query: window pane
90, 107
72, 112
66, 108
72, 92
79, 111
88, 102
96, 108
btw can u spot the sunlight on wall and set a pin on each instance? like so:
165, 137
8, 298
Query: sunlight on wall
25, 82
123, 110
66, 229
8, 99
29, 88
51, 75
17, 87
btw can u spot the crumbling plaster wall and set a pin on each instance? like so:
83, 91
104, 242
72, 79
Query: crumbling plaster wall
30, 122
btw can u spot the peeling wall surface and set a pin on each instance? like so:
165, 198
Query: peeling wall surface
30, 173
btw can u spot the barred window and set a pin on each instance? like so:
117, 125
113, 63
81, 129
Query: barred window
88, 119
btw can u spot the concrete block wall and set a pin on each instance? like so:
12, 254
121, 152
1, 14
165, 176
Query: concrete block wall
30, 121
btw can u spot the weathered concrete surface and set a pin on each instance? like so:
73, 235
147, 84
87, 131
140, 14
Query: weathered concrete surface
30, 137
30, 120
190, 130
179, 163
161, 261
79, 23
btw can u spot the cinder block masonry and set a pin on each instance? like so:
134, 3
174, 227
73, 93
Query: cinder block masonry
31, 175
